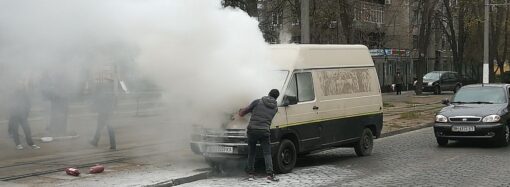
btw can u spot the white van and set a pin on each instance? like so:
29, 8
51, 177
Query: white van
331, 99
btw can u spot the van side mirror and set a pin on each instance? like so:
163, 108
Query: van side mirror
445, 101
289, 100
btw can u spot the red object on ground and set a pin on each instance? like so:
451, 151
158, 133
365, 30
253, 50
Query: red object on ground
96, 169
73, 172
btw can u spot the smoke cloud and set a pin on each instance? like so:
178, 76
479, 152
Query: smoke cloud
209, 60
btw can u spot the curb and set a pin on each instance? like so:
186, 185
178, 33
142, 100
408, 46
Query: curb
404, 130
182, 180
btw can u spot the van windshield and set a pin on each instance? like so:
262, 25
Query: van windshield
279, 78
480, 95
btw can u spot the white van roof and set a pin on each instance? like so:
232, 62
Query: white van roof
310, 56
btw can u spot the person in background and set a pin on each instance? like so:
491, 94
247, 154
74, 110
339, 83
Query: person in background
262, 113
398, 80
104, 104
54, 89
19, 110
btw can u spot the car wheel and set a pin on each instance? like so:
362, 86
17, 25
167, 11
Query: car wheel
366, 143
442, 141
285, 158
437, 90
456, 89
504, 139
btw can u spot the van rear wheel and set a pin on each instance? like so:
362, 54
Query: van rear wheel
285, 159
366, 143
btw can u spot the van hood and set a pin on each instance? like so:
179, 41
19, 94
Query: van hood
480, 110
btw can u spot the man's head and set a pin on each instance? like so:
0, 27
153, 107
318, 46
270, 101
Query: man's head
274, 93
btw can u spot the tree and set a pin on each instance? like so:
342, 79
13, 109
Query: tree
426, 13
250, 6
452, 22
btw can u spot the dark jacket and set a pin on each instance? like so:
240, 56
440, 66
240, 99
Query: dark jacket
19, 103
398, 79
104, 98
262, 112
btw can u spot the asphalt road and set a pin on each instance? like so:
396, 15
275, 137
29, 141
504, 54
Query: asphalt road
409, 159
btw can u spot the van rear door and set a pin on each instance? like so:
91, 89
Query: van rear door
301, 117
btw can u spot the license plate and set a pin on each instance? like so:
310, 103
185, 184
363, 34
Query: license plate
219, 149
463, 128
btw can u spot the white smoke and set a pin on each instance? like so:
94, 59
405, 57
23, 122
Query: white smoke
209, 60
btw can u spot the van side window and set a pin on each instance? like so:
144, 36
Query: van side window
301, 86
305, 87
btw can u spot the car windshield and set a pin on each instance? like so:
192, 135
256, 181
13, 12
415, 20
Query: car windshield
432, 76
480, 95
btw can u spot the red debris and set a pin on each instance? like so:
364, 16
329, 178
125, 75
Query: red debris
73, 172
96, 169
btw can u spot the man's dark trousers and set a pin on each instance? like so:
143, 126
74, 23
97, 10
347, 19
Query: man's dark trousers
103, 119
20, 120
398, 87
263, 137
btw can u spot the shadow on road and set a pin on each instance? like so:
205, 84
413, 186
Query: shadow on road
486, 144
235, 168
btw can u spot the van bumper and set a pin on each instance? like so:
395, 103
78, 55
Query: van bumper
227, 150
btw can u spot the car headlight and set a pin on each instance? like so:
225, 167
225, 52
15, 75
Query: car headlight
441, 119
431, 83
491, 118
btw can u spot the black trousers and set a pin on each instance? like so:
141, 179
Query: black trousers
398, 88
263, 137
20, 120
103, 120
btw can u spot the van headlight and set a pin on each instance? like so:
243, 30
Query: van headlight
441, 119
491, 118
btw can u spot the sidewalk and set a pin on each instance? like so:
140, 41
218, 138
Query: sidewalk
132, 172
409, 110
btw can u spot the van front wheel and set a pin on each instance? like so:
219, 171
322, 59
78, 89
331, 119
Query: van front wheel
366, 143
285, 159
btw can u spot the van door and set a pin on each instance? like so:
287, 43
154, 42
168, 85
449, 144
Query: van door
302, 116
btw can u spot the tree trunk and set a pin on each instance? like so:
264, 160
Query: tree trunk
425, 29
251, 8
347, 19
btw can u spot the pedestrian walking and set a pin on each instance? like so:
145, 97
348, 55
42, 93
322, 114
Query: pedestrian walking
19, 110
398, 80
104, 104
55, 90
262, 113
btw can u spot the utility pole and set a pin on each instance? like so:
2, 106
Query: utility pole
486, 44
305, 21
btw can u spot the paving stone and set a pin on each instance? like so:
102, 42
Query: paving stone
410, 159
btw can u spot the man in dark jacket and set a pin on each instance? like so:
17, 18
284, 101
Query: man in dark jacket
104, 104
262, 112
19, 109
398, 80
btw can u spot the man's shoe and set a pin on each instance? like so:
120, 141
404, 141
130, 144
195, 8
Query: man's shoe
251, 177
272, 178
35, 147
113, 148
19, 147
